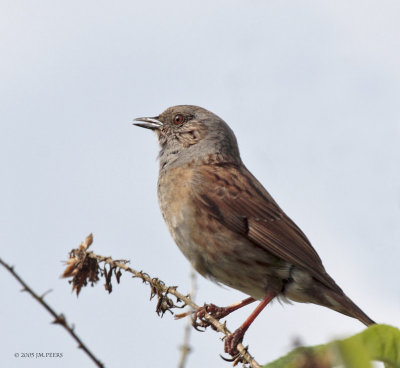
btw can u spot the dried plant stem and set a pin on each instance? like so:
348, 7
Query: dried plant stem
58, 318
185, 347
220, 327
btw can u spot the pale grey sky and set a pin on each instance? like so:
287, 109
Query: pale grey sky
311, 90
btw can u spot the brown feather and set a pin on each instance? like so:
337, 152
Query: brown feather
237, 200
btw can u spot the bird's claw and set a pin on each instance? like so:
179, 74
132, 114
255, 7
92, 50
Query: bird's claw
232, 359
237, 358
232, 341
214, 311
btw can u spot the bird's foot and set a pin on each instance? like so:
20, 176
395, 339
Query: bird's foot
214, 311
232, 341
199, 315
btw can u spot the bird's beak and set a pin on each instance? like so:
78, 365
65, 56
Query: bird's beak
149, 123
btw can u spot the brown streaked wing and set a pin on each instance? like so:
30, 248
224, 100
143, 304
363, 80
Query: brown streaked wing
234, 197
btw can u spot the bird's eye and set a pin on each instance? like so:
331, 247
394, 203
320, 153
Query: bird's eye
178, 119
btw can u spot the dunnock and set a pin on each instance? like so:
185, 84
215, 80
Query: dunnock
228, 226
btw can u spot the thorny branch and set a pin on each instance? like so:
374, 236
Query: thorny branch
58, 318
85, 266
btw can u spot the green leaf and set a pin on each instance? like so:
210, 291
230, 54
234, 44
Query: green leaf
378, 342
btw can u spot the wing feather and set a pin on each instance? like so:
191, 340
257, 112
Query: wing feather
236, 199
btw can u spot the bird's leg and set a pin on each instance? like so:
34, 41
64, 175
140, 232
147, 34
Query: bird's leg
214, 311
232, 341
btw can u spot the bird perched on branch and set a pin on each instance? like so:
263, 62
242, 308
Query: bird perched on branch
228, 226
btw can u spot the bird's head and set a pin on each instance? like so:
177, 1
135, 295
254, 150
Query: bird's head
189, 133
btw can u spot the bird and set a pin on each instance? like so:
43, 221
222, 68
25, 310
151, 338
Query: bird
228, 225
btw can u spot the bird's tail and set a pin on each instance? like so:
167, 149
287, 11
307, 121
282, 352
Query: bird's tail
343, 304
